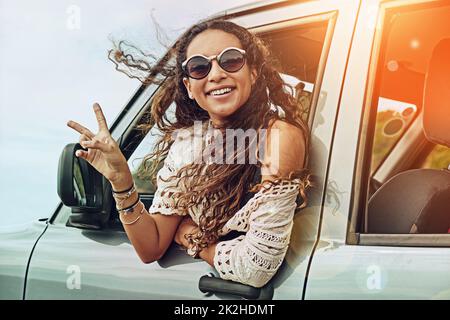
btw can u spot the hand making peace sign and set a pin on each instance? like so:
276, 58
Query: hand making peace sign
103, 152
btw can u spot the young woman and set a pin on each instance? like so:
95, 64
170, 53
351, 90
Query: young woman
222, 80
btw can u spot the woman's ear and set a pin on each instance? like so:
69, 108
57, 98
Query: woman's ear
187, 84
253, 75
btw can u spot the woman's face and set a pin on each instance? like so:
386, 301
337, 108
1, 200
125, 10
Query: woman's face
219, 107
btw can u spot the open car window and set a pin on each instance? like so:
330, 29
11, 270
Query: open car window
410, 35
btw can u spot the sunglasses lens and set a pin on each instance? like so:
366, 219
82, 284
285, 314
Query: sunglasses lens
232, 60
197, 67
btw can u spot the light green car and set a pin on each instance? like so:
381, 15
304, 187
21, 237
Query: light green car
372, 78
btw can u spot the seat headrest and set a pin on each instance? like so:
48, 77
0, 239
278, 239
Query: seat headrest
436, 100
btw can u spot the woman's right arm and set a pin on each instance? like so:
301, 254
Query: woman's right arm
151, 235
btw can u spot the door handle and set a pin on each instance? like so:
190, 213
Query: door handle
212, 284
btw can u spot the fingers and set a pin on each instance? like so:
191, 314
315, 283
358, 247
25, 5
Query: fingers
96, 144
80, 129
84, 137
81, 154
102, 125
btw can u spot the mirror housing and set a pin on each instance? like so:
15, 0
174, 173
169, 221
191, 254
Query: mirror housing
82, 188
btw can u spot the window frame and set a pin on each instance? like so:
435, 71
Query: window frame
362, 173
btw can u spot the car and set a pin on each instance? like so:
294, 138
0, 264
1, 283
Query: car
371, 78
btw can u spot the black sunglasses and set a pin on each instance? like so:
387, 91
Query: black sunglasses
198, 66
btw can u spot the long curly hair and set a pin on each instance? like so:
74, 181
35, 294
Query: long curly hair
219, 188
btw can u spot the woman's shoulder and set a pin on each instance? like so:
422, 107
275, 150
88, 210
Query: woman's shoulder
286, 148
286, 127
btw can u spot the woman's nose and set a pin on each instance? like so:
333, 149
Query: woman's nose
216, 73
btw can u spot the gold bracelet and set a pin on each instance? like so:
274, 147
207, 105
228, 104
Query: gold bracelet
135, 220
132, 222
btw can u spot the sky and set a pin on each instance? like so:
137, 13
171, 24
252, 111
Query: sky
53, 67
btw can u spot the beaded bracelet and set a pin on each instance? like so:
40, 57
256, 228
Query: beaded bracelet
124, 194
121, 197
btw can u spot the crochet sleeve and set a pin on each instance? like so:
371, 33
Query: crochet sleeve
267, 219
163, 200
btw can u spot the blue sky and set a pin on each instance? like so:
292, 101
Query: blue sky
53, 66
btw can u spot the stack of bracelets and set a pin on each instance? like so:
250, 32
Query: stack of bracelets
128, 215
131, 214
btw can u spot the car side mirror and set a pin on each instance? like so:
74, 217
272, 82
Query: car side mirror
82, 188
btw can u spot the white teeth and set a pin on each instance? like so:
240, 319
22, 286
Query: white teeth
220, 91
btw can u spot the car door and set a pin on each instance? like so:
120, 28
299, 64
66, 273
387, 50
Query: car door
385, 80
311, 40
74, 263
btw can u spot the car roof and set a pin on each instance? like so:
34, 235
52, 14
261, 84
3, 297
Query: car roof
255, 6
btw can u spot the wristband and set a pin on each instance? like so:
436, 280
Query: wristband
124, 191
129, 209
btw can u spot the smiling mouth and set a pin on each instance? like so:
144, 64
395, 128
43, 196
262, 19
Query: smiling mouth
220, 92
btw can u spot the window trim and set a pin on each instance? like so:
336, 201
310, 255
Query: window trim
404, 240
361, 176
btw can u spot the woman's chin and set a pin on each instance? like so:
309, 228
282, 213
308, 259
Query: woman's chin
223, 113
223, 110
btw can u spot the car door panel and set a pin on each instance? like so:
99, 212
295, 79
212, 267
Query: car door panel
16, 246
339, 268
71, 263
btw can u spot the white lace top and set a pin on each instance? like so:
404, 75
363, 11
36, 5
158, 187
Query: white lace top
267, 219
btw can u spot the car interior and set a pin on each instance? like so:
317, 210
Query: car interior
416, 200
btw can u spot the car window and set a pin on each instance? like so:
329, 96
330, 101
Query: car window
298, 67
407, 43
299, 64
143, 182
409, 36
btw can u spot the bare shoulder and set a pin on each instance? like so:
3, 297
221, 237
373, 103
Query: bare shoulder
287, 128
286, 149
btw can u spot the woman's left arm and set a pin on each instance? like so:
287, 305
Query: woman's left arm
208, 253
